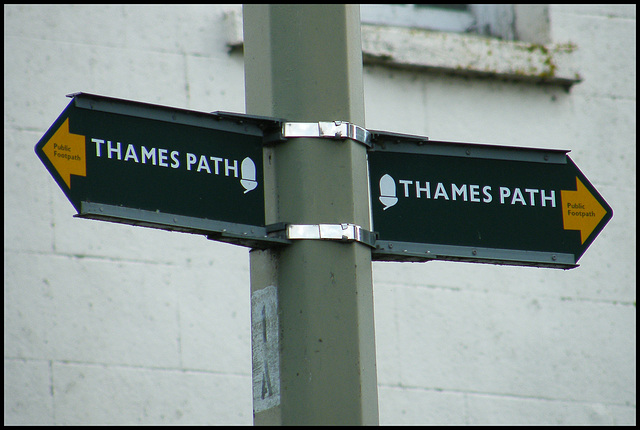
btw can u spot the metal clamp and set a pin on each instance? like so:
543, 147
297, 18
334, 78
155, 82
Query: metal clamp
331, 130
344, 232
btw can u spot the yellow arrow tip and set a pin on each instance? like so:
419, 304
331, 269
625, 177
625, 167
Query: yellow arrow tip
67, 153
581, 210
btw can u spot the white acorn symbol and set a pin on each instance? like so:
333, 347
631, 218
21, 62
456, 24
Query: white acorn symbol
388, 192
248, 173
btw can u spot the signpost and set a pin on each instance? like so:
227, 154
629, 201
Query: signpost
161, 167
203, 173
304, 63
195, 172
480, 203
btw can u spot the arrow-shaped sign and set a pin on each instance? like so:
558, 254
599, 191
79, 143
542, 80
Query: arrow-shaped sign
168, 168
480, 203
156, 166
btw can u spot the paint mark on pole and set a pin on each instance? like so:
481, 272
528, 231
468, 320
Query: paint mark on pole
265, 349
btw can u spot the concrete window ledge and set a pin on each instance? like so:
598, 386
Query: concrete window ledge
452, 53
468, 55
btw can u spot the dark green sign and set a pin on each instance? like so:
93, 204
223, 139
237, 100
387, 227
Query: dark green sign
174, 169
160, 167
482, 203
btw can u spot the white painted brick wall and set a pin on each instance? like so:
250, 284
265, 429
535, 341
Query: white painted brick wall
476, 344
107, 323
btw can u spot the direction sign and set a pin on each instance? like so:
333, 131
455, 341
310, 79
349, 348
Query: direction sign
161, 167
174, 169
480, 203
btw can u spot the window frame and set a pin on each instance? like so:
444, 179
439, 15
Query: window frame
535, 61
417, 16
511, 22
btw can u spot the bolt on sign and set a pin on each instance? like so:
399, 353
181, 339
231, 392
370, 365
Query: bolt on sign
480, 203
161, 167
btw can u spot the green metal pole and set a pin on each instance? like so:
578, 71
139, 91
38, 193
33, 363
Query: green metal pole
312, 301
